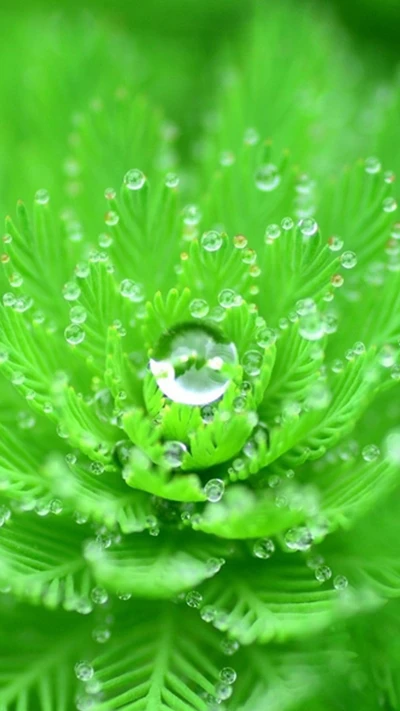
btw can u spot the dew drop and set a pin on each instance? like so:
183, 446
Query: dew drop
71, 291
228, 298
199, 308
110, 194
252, 363
101, 634
311, 327
211, 241
191, 215
83, 671
214, 490
271, 233
78, 314
111, 218
348, 260
189, 364
132, 290
194, 599
23, 303
323, 573
42, 197
264, 548
208, 613
287, 223
266, 337
389, 204
174, 454
99, 596
340, 582
372, 165
223, 691
228, 675
240, 241
308, 226
134, 179
298, 539
267, 177
335, 244
207, 413
171, 180
74, 334
370, 452
251, 137
229, 646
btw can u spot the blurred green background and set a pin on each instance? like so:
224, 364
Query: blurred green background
60, 61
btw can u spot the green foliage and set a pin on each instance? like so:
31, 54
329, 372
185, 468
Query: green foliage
199, 438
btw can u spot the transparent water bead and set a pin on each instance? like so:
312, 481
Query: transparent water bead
267, 177
189, 364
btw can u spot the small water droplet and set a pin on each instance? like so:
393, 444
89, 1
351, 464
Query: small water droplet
223, 691
287, 224
208, 613
323, 573
228, 298
111, 218
252, 363
199, 308
211, 241
266, 337
101, 634
389, 204
134, 179
272, 233
264, 548
74, 334
191, 215
110, 194
308, 226
99, 596
82, 270
229, 646
251, 136
340, 582
214, 490
189, 364
174, 453
42, 197
267, 177
228, 675
348, 260
23, 303
240, 241
372, 165
71, 291
83, 671
207, 413
370, 452
298, 539
78, 314
335, 244
311, 327
194, 599
132, 290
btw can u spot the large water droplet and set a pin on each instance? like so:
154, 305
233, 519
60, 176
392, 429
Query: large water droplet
188, 364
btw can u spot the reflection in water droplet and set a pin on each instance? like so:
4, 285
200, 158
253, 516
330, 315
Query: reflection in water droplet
190, 364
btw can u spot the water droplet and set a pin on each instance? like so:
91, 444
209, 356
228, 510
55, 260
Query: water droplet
228, 298
214, 490
16, 280
74, 334
99, 596
223, 691
298, 539
194, 599
287, 223
337, 281
110, 194
271, 233
189, 364
370, 452
42, 197
83, 671
199, 308
134, 179
208, 613
348, 260
111, 218
323, 573
229, 646
71, 291
96, 468
311, 327
340, 582
227, 158
23, 303
372, 165
308, 226
211, 241
78, 314
82, 270
389, 204
252, 363
335, 244
240, 241
191, 215
207, 413
174, 454
9, 299
228, 675
266, 337
264, 548
251, 136
101, 634
267, 177
131, 290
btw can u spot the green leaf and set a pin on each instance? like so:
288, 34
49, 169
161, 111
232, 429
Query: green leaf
149, 665
161, 566
41, 560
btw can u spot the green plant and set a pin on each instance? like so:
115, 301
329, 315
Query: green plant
200, 444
